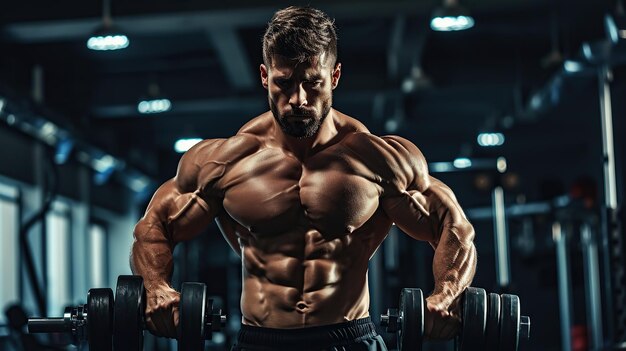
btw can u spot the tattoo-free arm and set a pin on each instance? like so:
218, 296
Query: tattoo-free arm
427, 209
179, 210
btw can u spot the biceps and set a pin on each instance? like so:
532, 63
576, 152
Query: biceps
177, 216
409, 211
427, 215
189, 216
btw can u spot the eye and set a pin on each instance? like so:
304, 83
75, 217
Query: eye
314, 83
282, 82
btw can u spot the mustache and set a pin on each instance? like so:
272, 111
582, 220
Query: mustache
300, 113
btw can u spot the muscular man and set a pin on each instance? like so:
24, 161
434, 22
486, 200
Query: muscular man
305, 195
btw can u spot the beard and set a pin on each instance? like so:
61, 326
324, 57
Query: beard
300, 128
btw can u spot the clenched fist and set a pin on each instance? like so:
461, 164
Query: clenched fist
442, 320
162, 310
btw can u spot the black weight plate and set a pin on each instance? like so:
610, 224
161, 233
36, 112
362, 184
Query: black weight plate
411, 311
474, 319
492, 334
509, 323
129, 312
192, 312
100, 319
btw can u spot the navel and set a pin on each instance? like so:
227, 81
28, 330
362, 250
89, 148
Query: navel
301, 306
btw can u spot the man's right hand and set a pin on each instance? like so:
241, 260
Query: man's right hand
162, 310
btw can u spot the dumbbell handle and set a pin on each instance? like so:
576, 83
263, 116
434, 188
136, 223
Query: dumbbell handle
48, 325
61, 325
73, 321
216, 320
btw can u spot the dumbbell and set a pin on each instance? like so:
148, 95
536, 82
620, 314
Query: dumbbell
491, 322
498, 326
505, 326
120, 325
92, 321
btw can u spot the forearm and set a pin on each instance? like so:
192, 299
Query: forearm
454, 262
151, 255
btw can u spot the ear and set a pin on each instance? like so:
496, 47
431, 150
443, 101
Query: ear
263, 70
336, 75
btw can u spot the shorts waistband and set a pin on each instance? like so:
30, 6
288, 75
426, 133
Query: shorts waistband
310, 337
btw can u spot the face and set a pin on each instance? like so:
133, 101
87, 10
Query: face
300, 94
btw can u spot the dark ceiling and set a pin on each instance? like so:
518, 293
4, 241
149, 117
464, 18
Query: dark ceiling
204, 57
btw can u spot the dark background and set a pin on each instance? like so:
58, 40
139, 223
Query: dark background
506, 74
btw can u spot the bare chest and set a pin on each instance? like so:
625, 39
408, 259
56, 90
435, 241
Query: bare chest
272, 193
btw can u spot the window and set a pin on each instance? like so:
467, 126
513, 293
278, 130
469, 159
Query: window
97, 255
10, 247
58, 258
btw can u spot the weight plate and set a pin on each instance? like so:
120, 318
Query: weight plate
192, 320
473, 319
411, 331
492, 334
129, 310
100, 319
509, 323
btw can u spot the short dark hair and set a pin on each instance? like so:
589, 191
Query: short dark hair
300, 33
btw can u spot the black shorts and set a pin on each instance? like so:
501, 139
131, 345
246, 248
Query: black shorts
359, 334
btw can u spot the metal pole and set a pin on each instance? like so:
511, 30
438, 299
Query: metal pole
503, 270
608, 148
560, 240
592, 287
612, 242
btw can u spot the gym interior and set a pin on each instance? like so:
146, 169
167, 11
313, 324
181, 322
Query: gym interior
517, 105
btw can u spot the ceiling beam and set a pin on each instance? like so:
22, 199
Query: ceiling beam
184, 22
233, 57
237, 104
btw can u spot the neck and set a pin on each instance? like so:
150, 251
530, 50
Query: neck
304, 147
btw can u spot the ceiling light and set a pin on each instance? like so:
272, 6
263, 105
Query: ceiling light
462, 162
107, 37
490, 139
451, 16
184, 144
154, 106
572, 66
154, 101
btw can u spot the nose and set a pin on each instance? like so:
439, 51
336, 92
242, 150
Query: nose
298, 96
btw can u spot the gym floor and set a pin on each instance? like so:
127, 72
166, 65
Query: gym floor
522, 115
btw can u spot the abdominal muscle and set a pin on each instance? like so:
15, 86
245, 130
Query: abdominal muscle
302, 279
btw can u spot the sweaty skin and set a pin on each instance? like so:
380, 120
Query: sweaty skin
304, 214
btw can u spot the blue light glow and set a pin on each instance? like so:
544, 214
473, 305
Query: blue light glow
490, 139
462, 162
154, 106
451, 23
108, 42
182, 145
572, 66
